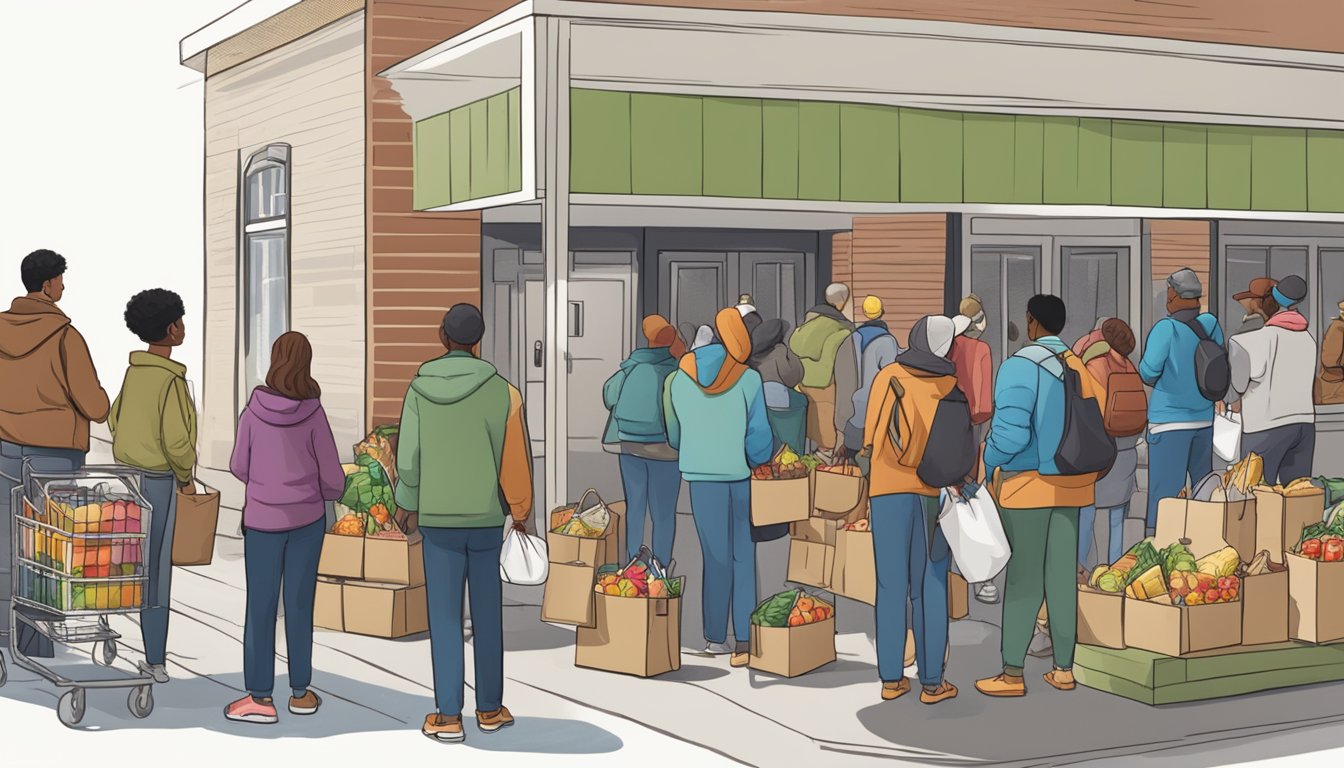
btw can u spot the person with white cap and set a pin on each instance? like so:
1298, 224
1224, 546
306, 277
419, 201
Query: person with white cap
750, 317
817, 342
870, 349
1180, 417
918, 429
1273, 370
975, 375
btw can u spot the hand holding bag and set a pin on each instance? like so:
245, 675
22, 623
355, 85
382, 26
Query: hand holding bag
522, 559
974, 533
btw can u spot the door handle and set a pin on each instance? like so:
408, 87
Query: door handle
536, 354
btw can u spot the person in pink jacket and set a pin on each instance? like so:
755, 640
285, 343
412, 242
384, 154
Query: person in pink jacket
286, 454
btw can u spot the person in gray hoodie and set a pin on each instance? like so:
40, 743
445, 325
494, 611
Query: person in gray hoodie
870, 349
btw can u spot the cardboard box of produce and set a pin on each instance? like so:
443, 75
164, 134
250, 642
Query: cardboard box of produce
817, 530
328, 611
384, 610
781, 501
1279, 519
1101, 618
1265, 612
395, 560
854, 573
342, 556
958, 597
608, 548
837, 491
811, 564
1237, 521
569, 596
793, 651
631, 635
1315, 592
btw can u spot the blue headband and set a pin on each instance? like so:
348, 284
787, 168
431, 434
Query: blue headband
1283, 301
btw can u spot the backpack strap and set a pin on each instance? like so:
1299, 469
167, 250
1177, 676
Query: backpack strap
1097, 349
1044, 357
1196, 326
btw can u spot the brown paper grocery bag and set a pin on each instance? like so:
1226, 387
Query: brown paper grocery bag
194, 529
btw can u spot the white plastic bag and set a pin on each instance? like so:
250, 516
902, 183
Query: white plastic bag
974, 533
522, 560
1227, 436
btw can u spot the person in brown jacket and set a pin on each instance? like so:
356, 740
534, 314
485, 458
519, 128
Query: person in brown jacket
49, 392
1330, 380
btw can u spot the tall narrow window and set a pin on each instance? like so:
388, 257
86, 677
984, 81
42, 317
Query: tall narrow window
264, 257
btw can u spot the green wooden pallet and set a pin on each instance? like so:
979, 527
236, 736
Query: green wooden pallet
1156, 679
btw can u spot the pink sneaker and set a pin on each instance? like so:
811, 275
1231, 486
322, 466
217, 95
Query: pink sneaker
251, 710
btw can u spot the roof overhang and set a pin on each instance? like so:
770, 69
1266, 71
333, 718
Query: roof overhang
255, 27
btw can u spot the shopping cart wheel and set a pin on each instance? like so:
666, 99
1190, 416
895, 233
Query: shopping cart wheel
104, 652
70, 709
141, 701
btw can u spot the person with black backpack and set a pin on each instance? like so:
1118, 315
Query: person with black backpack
917, 440
1047, 446
1186, 364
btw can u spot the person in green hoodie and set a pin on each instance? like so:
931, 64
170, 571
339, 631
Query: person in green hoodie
464, 467
153, 424
817, 342
636, 428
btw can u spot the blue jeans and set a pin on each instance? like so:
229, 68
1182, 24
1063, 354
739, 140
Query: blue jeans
652, 485
1172, 457
272, 557
1115, 542
29, 641
722, 513
161, 493
453, 557
913, 568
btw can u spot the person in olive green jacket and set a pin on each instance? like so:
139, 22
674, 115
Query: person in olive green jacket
153, 424
464, 468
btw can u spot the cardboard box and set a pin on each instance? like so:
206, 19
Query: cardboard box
342, 556
1237, 522
608, 548
854, 570
781, 501
1264, 599
836, 494
631, 635
395, 561
811, 564
1280, 520
615, 531
568, 598
1315, 593
792, 651
817, 530
958, 597
1101, 618
384, 610
328, 611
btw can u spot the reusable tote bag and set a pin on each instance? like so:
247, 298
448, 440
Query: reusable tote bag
974, 533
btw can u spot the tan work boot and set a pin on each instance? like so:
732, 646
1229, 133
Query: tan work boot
489, 722
943, 692
740, 659
1002, 686
895, 690
444, 728
1061, 679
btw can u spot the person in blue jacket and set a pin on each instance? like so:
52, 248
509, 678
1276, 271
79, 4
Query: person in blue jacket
716, 420
634, 396
1180, 419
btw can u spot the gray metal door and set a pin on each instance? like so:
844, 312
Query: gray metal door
1005, 279
1094, 284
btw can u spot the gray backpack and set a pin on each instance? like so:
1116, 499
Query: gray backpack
1213, 371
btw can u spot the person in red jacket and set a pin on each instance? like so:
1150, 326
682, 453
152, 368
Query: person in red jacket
975, 378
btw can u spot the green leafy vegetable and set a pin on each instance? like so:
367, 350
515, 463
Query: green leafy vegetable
1146, 557
774, 612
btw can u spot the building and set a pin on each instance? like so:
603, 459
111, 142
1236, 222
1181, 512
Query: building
370, 163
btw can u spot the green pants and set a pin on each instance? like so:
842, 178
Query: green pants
1044, 565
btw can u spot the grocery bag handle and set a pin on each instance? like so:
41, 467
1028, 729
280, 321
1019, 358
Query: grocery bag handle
578, 508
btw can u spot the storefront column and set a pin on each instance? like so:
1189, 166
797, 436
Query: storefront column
555, 246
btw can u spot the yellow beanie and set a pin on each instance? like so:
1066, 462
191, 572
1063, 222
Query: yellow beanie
872, 308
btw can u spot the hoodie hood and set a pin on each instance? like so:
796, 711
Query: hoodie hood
717, 367
765, 337
650, 355
921, 354
451, 378
280, 411
27, 325
704, 335
1288, 319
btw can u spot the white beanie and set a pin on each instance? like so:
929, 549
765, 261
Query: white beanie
941, 331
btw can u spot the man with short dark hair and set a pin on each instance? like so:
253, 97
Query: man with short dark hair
464, 467
49, 392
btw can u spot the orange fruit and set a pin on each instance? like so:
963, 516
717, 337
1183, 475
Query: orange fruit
796, 620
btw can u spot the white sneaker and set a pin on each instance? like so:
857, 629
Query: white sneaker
719, 649
1041, 646
987, 593
158, 672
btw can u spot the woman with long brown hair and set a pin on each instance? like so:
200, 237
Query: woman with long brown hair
286, 455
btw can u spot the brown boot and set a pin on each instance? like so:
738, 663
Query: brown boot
943, 692
739, 659
1002, 686
489, 722
1061, 679
444, 728
895, 690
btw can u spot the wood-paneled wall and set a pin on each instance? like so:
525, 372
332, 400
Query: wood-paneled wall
901, 259
1179, 243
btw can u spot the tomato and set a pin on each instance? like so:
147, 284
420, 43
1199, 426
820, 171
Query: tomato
1334, 550
1311, 549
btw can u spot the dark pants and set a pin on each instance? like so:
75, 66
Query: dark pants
652, 485
911, 568
272, 557
453, 557
1288, 451
57, 460
722, 513
161, 493
1172, 458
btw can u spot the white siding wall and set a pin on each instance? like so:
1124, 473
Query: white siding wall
308, 94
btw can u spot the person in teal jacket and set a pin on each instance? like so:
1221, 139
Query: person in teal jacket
716, 420
634, 396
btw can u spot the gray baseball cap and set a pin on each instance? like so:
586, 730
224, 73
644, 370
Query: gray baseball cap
1186, 284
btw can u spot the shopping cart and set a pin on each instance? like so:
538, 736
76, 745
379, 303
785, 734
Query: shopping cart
79, 556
